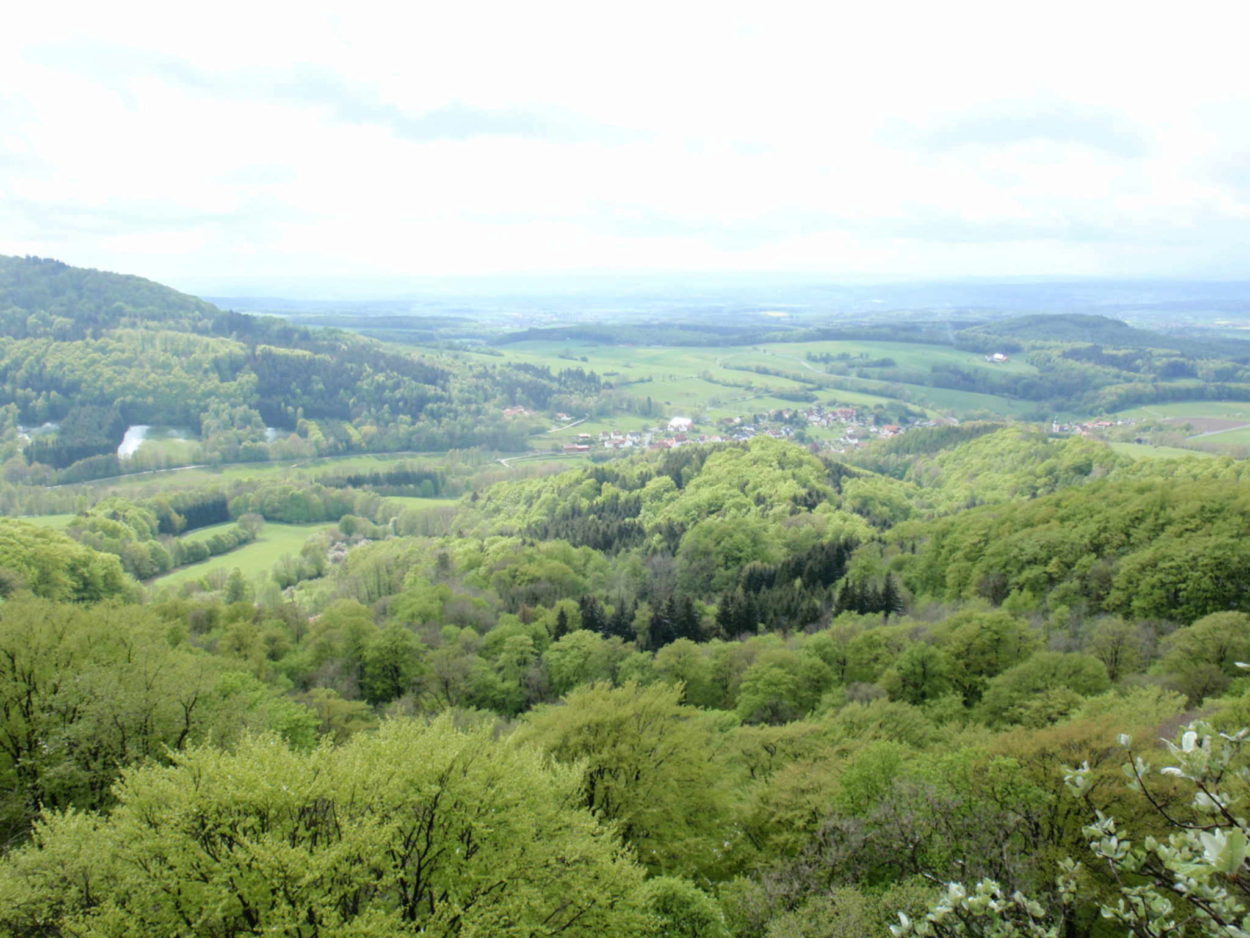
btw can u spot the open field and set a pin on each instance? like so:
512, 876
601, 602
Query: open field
1146, 451
1219, 439
1213, 425
715, 382
595, 426
49, 521
905, 355
274, 541
1223, 410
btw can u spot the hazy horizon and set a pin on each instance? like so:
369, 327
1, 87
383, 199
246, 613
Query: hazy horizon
242, 144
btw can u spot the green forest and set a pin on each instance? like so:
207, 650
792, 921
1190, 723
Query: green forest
980, 678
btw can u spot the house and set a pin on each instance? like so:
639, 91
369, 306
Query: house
680, 424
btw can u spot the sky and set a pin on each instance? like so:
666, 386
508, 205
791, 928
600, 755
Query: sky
242, 146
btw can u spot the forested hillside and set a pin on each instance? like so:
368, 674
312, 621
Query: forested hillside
736, 689
785, 681
86, 354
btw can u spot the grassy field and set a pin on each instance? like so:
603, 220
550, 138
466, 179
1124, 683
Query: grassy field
1145, 451
256, 558
49, 521
1219, 426
1227, 410
905, 355
710, 383
1235, 436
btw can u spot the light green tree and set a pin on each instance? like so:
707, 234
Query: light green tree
648, 763
417, 829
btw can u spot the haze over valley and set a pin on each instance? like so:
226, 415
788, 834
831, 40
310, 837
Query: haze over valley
697, 471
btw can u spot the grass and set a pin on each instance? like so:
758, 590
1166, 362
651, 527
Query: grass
50, 521
1234, 436
1146, 451
904, 354
969, 402
1224, 410
1232, 440
258, 557
713, 381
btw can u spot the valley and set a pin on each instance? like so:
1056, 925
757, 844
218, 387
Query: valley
798, 623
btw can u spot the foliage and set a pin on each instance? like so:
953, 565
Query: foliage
413, 830
53, 566
86, 692
649, 764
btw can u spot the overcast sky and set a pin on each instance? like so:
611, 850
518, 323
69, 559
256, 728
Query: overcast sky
222, 145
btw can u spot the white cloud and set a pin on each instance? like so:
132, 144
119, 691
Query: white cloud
965, 138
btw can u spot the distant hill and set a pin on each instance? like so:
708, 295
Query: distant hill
1095, 330
92, 353
44, 297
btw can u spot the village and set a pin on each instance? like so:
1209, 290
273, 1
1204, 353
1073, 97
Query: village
785, 424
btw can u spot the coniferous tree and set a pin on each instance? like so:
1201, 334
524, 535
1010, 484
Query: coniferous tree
891, 600
593, 616
562, 624
621, 623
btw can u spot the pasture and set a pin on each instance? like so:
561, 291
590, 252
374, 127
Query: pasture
712, 382
274, 541
58, 522
1223, 410
1211, 425
1146, 451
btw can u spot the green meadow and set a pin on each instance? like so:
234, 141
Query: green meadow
716, 382
1220, 439
1146, 451
49, 521
1225, 436
274, 541
1220, 410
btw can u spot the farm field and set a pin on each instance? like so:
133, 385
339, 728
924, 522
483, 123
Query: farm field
274, 541
904, 354
1224, 410
1221, 438
595, 426
716, 382
1213, 425
1146, 451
